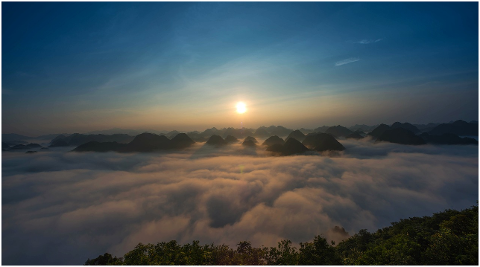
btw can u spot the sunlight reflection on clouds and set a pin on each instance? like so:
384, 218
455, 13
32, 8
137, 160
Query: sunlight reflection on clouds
66, 207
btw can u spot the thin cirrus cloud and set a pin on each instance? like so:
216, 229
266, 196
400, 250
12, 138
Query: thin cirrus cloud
366, 41
66, 207
346, 61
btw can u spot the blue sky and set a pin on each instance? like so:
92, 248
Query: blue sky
77, 67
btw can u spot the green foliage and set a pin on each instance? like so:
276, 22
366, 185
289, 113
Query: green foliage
284, 254
318, 253
170, 253
449, 237
105, 259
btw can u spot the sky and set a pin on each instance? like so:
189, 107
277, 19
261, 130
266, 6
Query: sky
79, 67
66, 207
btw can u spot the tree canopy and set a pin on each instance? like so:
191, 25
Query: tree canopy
448, 237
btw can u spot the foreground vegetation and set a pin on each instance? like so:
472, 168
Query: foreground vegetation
449, 237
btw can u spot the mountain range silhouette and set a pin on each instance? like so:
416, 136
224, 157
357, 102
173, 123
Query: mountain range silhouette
250, 141
338, 131
216, 140
400, 136
231, 139
322, 142
297, 134
354, 135
272, 140
453, 133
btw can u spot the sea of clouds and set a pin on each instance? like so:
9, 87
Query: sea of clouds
61, 207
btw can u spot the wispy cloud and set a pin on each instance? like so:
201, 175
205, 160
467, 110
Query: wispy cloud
346, 61
366, 41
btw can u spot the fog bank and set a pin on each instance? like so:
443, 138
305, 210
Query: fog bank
63, 207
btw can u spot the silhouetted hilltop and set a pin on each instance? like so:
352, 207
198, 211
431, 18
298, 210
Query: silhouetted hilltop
94, 146
426, 127
321, 129
230, 131
181, 140
458, 127
15, 142
379, 130
273, 140
291, 146
400, 136
322, 142
338, 131
406, 126
278, 130
196, 136
362, 127
354, 135
231, 139
216, 140
448, 139
261, 132
172, 134
46, 137
245, 132
250, 141
211, 131
12, 137
238, 133
276, 149
147, 142
131, 132
77, 139
297, 135
306, 131
28, 146
20, 146
60, 140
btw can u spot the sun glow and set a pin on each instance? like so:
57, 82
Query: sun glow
241, 108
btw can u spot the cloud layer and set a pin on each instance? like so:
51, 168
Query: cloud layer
62, 208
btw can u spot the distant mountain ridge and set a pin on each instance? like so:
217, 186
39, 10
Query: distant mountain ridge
435, 133
297, 134
216, 140
400, 136
79, 139
458, 127
145, 142
290, 147
406, 126
273, 140
338, 131
446, 134
14, 137
322, 142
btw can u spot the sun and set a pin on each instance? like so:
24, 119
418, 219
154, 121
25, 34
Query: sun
241, 108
